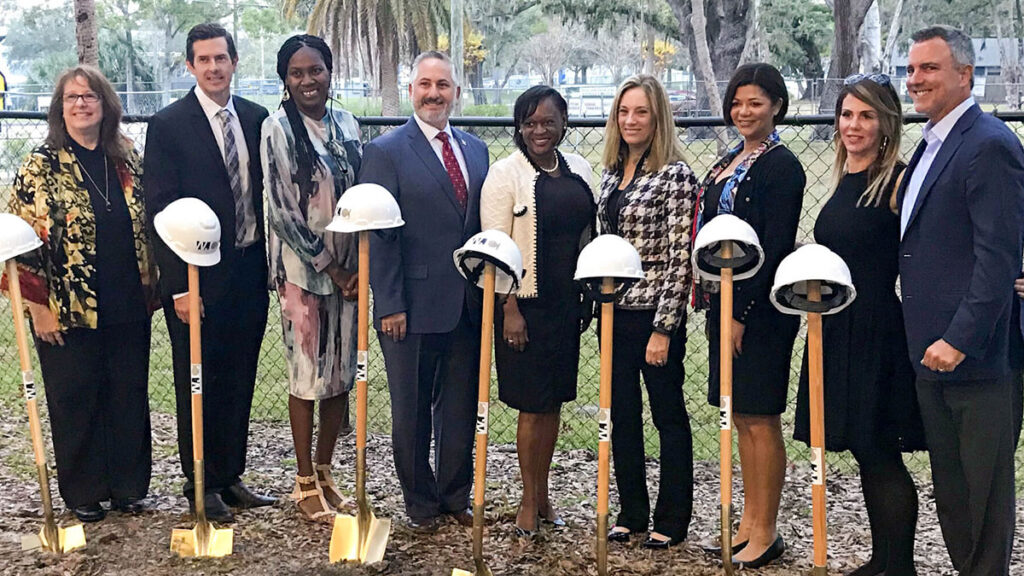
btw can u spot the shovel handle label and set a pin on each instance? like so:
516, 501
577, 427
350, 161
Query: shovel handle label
482, 411
28, 381
818, 465
725, 412
604, 425
361, 362
197, 379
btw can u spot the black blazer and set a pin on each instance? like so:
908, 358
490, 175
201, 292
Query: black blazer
182, 160
961, 249
769, 198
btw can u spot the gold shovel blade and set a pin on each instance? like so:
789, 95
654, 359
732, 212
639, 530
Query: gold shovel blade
457, 572
68, 539
211, 542
348, 545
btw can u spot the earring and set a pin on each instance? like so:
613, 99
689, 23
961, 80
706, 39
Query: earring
885, 144
287, 95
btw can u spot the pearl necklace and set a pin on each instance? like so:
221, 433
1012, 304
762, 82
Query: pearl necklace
552, 169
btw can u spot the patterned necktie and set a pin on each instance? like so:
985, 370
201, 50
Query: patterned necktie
454, 171
234, 174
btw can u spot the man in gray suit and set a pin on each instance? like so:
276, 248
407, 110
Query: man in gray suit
426, 322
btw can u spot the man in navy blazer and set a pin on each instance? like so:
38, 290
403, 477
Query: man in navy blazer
186, 156
960, 253
426, 323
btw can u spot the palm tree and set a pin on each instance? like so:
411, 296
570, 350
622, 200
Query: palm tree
85, 32
377, 32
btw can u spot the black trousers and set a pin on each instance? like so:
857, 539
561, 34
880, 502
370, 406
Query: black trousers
433, 383
969, 427
674, 508
232, 333
97, 394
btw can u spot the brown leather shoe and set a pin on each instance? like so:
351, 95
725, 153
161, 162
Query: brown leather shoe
463, 517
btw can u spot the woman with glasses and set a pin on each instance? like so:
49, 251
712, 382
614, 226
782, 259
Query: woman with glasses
870, 403
89, 293
541, 197
310, 157
761, 182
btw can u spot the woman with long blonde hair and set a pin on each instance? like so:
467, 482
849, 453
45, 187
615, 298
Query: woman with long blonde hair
647, 196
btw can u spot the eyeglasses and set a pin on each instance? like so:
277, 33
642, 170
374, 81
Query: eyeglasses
878, 78
88, 98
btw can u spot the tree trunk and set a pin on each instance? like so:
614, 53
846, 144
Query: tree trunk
1009, 66
871, 40
85, 32
890, 40
129, 73
707, 72
848, 16
457, 49
387, 50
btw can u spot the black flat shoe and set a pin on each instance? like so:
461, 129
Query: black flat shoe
773, 553
618, 536
90, 512
655, 544
240, 496
422, 525
128, 505
713, 546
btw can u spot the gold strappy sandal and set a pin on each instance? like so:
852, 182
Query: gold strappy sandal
323, 516
329, 489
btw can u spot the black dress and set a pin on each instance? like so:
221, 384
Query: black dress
869, 383
760, 375
543, 376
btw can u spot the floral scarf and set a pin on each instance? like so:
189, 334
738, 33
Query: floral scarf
701, 296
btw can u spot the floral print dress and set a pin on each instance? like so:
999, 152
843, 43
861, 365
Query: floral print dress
319, 326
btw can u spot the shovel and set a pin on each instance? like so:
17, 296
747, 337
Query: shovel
604, 426
725, 409
204, 540
362, 538
482, 410
816, 394
51, 537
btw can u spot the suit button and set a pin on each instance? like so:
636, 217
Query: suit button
906, 255
747, 199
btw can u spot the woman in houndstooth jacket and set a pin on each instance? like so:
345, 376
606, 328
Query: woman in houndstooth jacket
647, 196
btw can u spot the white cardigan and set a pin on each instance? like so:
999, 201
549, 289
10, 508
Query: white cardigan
508, 202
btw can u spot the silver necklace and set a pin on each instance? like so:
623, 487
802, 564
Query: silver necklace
106, 180
552, 169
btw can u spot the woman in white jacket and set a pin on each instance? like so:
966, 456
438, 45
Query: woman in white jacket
543, 200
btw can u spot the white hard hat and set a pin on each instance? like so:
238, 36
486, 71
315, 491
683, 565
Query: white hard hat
747, 255
498, 248
812, 262
608, 256
16, 237
191, 230
366, 207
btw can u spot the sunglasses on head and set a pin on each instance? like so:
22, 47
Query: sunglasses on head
878, 78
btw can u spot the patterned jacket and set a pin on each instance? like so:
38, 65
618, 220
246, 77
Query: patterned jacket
655, 217
49, 194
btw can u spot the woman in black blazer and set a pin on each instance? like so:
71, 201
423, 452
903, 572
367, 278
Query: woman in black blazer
761, 182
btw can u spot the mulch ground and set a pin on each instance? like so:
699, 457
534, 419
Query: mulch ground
275, 540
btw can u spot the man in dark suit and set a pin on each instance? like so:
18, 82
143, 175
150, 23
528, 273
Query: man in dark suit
960, 253
206, 145
425, 319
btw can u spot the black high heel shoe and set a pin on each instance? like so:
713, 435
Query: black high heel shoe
619, 535
773, 553
653, 543
713, 546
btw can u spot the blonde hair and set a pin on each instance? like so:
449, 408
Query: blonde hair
664, 146
884, 101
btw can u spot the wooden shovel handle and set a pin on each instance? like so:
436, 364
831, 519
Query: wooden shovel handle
484, 386
25, 360
196, 355
362, 338
816, 396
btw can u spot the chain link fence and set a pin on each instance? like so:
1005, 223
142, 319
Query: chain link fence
20, 132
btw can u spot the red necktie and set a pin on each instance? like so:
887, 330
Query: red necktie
452, 166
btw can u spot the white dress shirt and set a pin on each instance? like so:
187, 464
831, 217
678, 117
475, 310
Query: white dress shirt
431, 133
934, 135
211, 109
